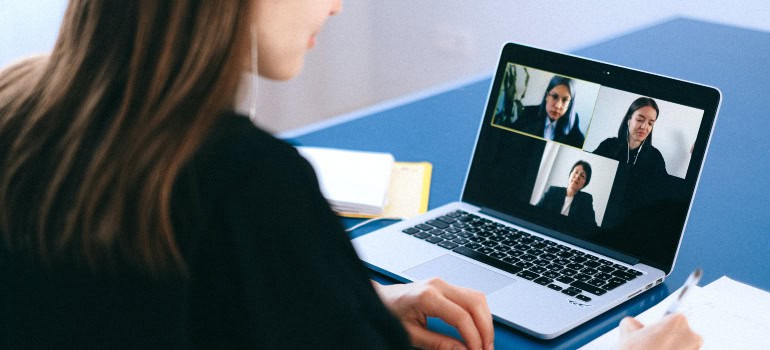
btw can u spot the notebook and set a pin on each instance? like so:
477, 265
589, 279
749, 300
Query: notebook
576, 197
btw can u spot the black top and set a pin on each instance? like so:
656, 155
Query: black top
581, 209
271, 268
532, 122
647, 161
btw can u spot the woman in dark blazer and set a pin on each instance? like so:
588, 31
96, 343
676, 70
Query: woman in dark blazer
570, 201
557, 107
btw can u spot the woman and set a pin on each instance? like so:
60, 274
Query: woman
554, 118
570, 201
137, 211
633, 146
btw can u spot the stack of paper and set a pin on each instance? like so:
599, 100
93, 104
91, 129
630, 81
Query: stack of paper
370, 184
352, 181
726, 313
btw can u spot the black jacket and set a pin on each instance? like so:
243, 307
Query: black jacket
581, 209
532, 122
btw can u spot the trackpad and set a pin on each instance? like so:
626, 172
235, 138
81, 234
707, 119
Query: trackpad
460, 272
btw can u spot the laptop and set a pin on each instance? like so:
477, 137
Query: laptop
570, 206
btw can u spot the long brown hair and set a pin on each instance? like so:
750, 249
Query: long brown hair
93, 136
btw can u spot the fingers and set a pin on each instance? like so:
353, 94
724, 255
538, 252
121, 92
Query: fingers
425, 339
629, 324
466, 310
476, 304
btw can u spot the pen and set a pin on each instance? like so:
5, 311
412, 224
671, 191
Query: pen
691, 282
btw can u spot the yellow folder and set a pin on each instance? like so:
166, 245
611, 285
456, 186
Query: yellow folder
408, 192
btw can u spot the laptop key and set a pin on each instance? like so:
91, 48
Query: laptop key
565, 279
449, 236
603, 276
487, 260
438, 224
543, 281
434, 239
485, 250
446, 219
571, 291
411, 231
583, 297
511, 260
582, 277
573, 266
528, 275
498, 255
596, 282
588, 288
606, 268
424, 227
422, 235
473, 246
460, 241
523, 264
624, 275
555, 287
448, 245
612, 285
528, 257
551, 274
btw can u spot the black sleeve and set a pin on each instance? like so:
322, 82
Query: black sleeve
303, 285
545, 199
587, 213
605, 149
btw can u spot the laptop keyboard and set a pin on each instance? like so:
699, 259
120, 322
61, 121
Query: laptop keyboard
542, 261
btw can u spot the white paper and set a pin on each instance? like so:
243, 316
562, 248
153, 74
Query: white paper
352, 181
726, 313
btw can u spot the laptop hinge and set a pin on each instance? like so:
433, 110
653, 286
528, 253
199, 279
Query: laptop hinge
628, 259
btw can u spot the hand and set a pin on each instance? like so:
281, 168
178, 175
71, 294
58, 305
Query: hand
463, 308
671, 332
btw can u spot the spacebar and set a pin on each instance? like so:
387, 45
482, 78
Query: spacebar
502, 265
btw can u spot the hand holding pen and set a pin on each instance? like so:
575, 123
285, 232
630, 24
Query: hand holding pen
691, 282
671, 332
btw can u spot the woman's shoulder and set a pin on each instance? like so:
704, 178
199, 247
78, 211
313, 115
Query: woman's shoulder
555, 190
610, 141
608, 147
585, 196
236, 150
235, 138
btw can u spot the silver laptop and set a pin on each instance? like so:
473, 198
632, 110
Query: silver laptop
570, 205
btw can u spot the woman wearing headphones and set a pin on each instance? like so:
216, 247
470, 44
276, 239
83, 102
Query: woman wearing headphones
633, 146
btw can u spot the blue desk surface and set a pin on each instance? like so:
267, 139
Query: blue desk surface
728, 232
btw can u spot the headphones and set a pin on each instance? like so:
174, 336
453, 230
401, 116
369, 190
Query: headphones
628, 148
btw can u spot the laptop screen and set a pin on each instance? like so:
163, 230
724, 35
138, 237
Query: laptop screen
592, 152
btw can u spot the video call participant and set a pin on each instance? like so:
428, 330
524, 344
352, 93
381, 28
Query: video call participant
571, 201
554, 118
633, 145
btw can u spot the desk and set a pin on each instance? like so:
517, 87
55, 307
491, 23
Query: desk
728, 232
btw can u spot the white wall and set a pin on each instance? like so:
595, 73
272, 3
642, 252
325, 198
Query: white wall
378, 50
